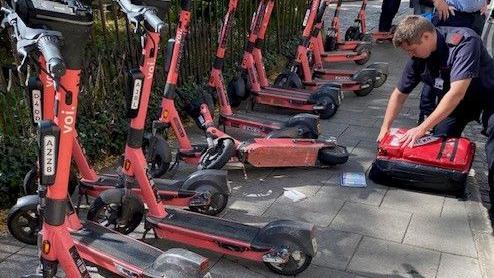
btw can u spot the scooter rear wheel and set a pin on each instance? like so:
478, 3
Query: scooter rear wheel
333, 155
24, 224
123, 218
297, 262
217, 156
366, 91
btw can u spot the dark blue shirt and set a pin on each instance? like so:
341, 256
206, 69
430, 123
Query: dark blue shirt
452, 62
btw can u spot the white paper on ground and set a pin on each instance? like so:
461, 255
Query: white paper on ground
471, 173
353, 179
293, 194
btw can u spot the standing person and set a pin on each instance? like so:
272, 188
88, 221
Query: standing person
389, 9
454, 62
456, 13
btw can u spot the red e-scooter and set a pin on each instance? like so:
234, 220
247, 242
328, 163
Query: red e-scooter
64, 240
205, 191
360, 82
253, 82
334, 49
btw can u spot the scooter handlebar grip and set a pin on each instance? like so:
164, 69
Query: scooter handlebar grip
48, 46
153, 20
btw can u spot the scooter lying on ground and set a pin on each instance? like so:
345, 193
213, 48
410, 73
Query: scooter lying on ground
204, 191
308, 67
64, 240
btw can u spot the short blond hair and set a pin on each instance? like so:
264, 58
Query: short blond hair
411, 29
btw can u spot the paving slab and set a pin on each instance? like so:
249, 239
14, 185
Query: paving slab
227, 268
384, 223
317, 210
450, 234
453, 266
335, 248
318, 271
379, 258
370, 195
414, 202
9, 246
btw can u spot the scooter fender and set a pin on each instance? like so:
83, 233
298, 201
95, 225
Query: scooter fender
26, 201
364, 75
381, 67
268, 235
216, 178
177, 260
363, 47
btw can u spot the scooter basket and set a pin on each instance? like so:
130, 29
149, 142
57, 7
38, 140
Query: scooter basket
435, 164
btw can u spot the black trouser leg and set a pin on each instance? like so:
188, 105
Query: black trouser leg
428, 102
389, 9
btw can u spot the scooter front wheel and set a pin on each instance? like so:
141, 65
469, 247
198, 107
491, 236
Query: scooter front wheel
217, 204
158, 156
30, 182
109, 211
333, 155
288, 80
363, 61
24, 223
382, 79
297, 261
328, 105
218, 155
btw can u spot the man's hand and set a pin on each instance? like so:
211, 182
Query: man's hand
483, 11
411, 136
382, 133
443, 9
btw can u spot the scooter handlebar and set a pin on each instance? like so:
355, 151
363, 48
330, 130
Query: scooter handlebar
48, 46
46, 41
153, 20
137, 13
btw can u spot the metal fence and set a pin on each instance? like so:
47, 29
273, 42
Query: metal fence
113, 48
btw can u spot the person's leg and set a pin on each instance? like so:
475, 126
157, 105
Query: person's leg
389, 9
428, 102
452, 126
478, 23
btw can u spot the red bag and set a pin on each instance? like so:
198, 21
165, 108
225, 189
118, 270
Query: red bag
434, 163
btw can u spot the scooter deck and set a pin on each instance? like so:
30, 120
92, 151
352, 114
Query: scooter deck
116, 245
297, 94
207, 224
109, 180
339, 53
246, 118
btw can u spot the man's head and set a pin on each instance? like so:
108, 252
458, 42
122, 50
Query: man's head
416, 35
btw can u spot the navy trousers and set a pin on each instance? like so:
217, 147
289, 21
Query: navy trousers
389, 9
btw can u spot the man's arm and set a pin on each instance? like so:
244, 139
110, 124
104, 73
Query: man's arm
445, 107
395, 104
